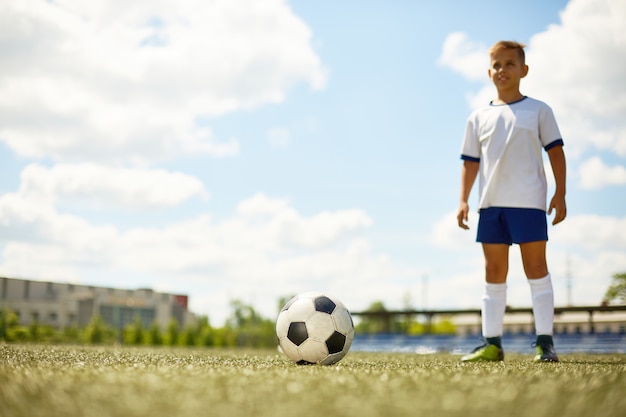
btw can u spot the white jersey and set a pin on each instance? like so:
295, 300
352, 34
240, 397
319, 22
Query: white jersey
508, 140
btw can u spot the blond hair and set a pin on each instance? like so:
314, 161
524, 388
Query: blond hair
519, 47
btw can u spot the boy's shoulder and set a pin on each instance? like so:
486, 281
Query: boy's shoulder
533, 102
541, 108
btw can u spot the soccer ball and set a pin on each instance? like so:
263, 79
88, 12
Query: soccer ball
315, 328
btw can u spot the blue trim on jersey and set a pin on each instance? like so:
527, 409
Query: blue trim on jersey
558, 142
470, 158
507, 104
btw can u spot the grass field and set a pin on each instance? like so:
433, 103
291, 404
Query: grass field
123, 382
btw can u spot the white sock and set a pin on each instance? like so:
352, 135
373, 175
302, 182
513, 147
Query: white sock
494, 305
543, 304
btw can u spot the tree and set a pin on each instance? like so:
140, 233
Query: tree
250, 328
9, 321
188, 336
171, 335
33, 331
153, 336
206, 333
133, 332
97, 332
617, 289
375, 324
242, 315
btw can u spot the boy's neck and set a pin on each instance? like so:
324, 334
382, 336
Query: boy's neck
507, 97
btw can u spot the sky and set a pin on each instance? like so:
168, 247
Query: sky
256, 149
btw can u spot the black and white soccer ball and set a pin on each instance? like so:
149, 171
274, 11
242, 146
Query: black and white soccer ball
315, 328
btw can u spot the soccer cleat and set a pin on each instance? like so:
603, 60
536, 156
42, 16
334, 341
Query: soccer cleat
485, 353
545, 353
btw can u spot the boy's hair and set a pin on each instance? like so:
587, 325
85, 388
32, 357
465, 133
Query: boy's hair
519, 47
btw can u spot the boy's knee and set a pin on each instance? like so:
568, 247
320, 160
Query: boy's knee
534, 259
496, 274
536, 271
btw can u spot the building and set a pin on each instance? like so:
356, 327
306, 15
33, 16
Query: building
63, 305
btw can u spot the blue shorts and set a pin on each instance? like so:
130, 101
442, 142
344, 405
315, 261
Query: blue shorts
512, 225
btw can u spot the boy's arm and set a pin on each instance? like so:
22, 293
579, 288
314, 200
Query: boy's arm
557, 161
468, 176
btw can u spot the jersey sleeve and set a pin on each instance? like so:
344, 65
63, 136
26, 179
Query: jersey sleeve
549, 133
470, 149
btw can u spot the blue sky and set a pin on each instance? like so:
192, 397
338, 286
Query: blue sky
256, 149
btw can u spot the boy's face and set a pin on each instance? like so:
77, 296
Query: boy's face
506, 69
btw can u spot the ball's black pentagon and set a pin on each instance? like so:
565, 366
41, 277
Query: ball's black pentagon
335, 342
297, 333
324, 304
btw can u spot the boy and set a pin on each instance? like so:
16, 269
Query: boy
503, 146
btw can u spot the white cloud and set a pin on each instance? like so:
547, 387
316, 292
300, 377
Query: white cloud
101, 186
592, 232
462, 55
278, 220
595, 174
116, 80
446, 233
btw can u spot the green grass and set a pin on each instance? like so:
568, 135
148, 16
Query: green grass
125, 382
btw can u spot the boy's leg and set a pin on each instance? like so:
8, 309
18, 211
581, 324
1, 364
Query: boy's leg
495, 238
493, 309
494, 299
493, 304
496, 262
542, 293
534, 259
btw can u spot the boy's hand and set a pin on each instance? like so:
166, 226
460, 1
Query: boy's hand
462, 216
558, 205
